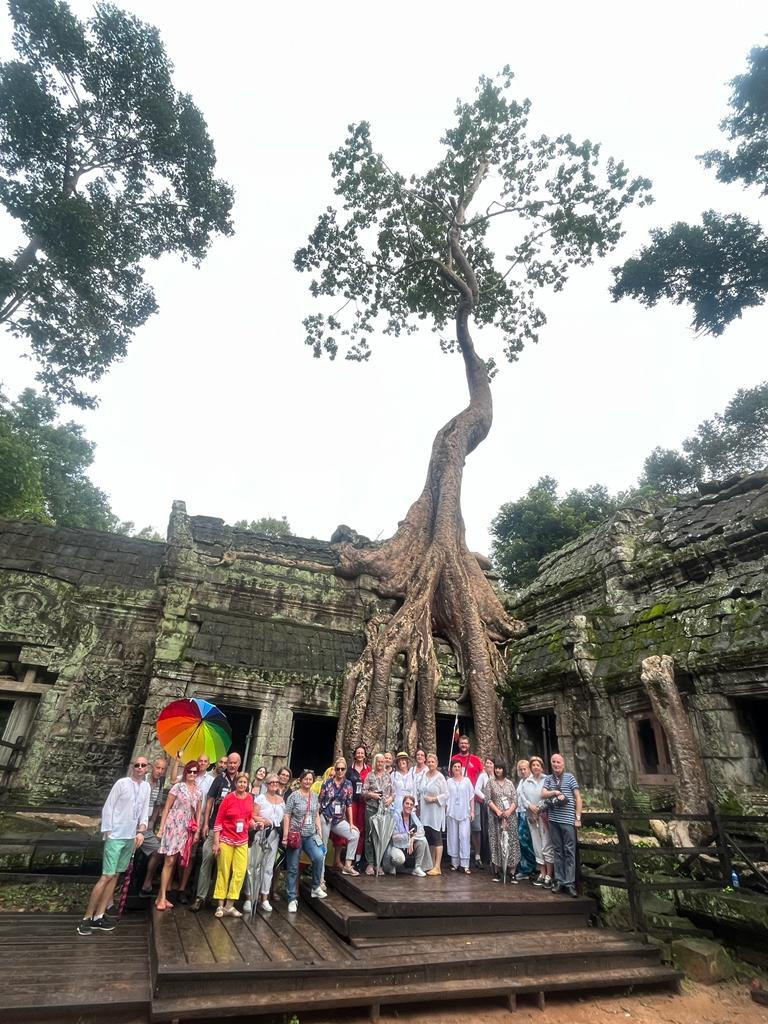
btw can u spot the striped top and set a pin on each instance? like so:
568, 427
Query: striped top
563, 813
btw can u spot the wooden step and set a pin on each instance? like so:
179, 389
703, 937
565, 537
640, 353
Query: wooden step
351, 922
456, 895
255, 999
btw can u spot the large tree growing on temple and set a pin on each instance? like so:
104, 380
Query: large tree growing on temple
104, 165
502, 216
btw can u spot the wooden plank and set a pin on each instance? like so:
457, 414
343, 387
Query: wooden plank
221, 944
193, 940
296, 943
165, 939
248, 946
274, 947
324, 946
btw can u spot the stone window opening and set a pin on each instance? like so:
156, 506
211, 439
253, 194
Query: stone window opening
650, 751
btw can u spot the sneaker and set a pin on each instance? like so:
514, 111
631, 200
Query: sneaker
101, 924
247, 907
318, 894
84, 928
572, 891
539, 880
520, 877
392, 871
547, 883
420, 873
266, 906
196, 906
557, 887
293, 906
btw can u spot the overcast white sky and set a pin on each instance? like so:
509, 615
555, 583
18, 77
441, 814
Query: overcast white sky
219, 402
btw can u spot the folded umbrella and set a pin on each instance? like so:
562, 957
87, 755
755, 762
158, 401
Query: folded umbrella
382, 830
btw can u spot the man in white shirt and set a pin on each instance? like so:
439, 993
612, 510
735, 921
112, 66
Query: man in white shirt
124, 818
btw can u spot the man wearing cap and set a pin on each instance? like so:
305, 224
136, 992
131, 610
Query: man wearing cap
402, 780
124, 818
472, 766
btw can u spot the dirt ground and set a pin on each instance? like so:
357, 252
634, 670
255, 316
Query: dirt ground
699, 1004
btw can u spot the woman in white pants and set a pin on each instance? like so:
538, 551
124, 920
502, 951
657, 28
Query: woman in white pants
336, 796
459, 812
270, 807
529, 798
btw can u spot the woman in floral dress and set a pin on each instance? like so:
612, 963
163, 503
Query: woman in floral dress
179, 828
501, 800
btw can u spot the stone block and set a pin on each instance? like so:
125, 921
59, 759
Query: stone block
702, 960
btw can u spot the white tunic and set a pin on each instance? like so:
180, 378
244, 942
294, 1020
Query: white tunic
126, 808
460, 795
433, 813
402, 785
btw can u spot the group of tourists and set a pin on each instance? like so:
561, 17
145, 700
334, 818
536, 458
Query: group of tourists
386, 816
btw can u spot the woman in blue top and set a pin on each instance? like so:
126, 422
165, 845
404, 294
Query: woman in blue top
336, 811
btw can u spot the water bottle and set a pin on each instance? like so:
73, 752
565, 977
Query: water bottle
734, 880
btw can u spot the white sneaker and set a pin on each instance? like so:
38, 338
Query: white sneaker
419, 873
318, 893
266, 906
392, 871
247, 907
293, 906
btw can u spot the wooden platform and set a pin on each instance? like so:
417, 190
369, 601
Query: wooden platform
371, 943
51, 974
374, 942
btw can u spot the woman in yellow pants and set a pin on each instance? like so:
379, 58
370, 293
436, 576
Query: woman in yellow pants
230, 845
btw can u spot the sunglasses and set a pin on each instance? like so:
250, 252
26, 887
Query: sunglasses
140, 764
192, 771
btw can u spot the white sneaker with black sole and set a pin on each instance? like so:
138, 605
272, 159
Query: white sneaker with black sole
318, 894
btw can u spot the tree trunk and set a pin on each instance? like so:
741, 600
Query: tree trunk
657, 675
11, 296
439, 582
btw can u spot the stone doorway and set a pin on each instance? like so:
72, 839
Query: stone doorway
312, 741
244, 723
446, 743
540, 733
753, 715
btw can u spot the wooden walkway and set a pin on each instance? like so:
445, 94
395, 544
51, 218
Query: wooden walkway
51, 974
372, 943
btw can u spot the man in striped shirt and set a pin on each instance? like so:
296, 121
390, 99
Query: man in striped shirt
564, 818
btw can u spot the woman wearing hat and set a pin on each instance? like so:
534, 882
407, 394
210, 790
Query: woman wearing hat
402, 780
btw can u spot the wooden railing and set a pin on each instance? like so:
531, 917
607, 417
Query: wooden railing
718, 843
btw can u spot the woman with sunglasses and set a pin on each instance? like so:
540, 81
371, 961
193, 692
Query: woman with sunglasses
179, 828
302, 822
269, 810
336, 798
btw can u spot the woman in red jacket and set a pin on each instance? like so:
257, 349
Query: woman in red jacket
230, 845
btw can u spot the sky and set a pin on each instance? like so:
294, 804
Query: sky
220, 404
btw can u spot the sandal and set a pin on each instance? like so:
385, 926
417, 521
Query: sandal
349, 870
233, 912
219, 912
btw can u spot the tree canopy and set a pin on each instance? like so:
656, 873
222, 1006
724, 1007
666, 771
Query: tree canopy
718, 267
43, 467
526, 530
386, 253
103, 164
267, 526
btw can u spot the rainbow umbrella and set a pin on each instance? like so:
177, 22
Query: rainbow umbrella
190, 727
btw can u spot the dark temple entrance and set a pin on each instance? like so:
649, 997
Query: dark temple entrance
312, 739
446, 741
540, 731
243, 722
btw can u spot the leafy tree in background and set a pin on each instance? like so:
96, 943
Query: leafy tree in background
267, 526
735, 441
526, 530
398, 252
104, 165
732, 442
718, 267
43, 467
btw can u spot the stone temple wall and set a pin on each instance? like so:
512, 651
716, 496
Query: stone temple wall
98, 632
688, 581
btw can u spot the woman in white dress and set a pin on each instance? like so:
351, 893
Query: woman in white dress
270, 808
402, 780
434, 797
418, 771
459, 812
